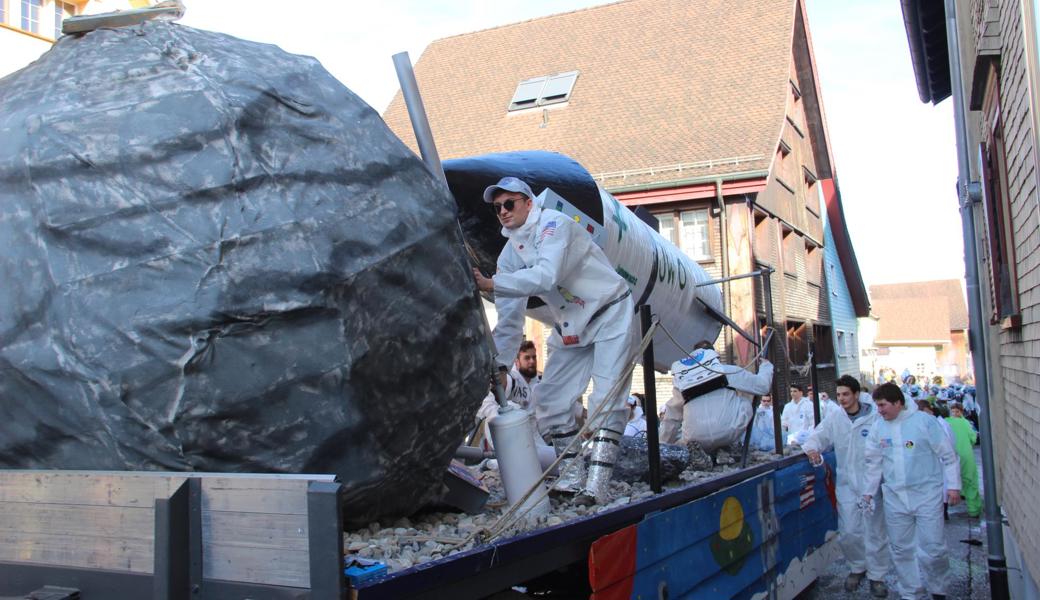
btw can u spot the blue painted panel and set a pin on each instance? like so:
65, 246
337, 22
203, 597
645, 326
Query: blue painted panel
804, 522
736, 542
688, 545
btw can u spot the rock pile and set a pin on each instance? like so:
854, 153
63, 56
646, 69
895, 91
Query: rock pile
404, 543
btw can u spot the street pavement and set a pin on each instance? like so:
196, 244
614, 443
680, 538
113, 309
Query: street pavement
966, 543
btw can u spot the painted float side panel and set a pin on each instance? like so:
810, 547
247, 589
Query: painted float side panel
756, 539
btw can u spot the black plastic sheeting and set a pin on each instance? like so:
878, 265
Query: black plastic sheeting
468, 177
217, 258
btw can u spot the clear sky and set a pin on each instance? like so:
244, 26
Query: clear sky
895, 157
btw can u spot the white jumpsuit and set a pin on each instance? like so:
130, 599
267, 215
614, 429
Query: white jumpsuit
551, 257
797, 420
862, 536
915, 458
718, 418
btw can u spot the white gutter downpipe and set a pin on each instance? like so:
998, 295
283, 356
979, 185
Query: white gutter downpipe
968, 193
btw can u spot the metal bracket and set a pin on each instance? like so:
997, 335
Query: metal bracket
974, 190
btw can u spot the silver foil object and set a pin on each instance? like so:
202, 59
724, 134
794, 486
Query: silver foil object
605, 448
572, 467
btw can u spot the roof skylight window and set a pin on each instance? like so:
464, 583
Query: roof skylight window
539, 91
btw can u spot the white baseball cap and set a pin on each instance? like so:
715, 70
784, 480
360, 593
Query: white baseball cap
508, 184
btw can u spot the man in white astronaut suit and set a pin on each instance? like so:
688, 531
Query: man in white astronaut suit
549, 256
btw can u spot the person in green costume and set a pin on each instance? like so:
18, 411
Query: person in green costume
965, 436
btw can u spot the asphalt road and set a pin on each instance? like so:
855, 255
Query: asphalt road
968, 574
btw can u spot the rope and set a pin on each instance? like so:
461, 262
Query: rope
802, 369
758, 355
513, 514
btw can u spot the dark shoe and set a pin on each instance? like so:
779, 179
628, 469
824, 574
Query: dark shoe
852, 581
938, 596
878, 589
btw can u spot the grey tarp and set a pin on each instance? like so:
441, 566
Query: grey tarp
217, 258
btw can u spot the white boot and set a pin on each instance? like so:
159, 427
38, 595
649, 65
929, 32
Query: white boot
572, 467
605, 448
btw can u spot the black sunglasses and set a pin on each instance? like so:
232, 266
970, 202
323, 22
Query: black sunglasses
498, 206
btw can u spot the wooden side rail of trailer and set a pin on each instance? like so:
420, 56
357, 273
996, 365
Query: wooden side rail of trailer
169, 536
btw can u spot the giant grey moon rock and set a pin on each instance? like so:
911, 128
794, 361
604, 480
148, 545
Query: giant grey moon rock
217, 258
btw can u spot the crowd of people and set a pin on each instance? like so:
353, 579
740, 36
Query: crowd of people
903, 453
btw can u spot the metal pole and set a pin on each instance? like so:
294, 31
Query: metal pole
755, 401
653, 441
767, 299
998, 581
417, 114
731, 278
814, 381
428, 150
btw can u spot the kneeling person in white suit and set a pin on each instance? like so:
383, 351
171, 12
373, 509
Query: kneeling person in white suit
712, 400
910, 450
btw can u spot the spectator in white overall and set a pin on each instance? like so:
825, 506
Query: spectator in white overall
862, 536
762, 431
549, 256
911, 451
797, 418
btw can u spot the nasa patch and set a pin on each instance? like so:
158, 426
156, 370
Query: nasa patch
693, 359
864, 432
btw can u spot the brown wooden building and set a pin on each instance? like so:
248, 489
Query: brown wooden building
706, 113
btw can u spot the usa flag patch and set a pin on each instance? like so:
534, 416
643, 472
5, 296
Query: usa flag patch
807, 495
547, 231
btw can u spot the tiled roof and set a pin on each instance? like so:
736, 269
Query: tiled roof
912, 320
949, 289
661, 83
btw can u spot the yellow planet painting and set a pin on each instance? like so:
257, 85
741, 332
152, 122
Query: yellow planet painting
733, 542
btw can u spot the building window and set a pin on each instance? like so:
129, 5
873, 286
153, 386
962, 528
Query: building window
3, 11
540, 91
763, 242
31, 15
797, 344
666, 226
999, 228
813, 263
824, 345
843, 350
692, 235
62, 11
790, 243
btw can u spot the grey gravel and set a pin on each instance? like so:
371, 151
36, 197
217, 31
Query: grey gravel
404, 543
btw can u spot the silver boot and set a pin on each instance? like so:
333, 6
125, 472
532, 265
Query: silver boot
572, 467
605, 448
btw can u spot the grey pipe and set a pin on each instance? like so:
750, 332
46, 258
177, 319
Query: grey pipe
417, 114
994, 529
724, 258
428, 151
